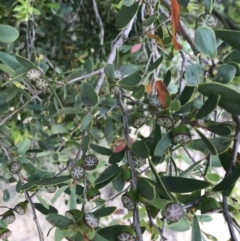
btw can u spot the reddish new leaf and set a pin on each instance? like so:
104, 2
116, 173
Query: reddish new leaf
119, 145
175, 23
163, 94
135, 48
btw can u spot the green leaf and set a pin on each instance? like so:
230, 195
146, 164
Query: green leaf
108, 130
129, 69
86, 121
175, 105
188, 171
149, 20
5, 68
103, 212
183, 3
140, 149
230, 37
234, 56
59, 192
58, 220
42, 201
109, 71
146, 189
196, 232
130, 81
225, 73
126, 14
111, 232
23, 146
8, 34
180, 226
163, 144
167, 78
107, 173
101, 150
227, 92
158, 203
193, 74
85, 143
53, 180
220, 143
9, 60
25, 62
58, 129
139, 92
161, 189
96, 133
232, 108
228, 181
88, 95
155, 64
209, 205
209, 106
29, 168
205, 41
218, 128
43, 210
207, 142
208, 4
183, 185
116, 157
186, 94
6, 195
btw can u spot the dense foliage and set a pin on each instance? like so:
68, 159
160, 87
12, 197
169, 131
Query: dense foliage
97, 94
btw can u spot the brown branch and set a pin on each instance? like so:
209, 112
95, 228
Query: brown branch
136, 220
229, 171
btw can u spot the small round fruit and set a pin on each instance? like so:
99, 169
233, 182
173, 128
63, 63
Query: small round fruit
90, 162
42, 84
5, 233
115, 89
118, 74
130, 200
138, 119
9, 217
173, 212
77, 172
125, 237
181, 135
138, 161
21, 208
91, 220
34, 74
51, 189
154, 101
165, 121
15, 167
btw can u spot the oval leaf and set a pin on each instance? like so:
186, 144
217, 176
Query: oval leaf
208, 106
230, 37
88, 95
8, 34
146, 189
101, 150
130, 81
163, 144
225, 73
205, 41
183, 185
58, 220
126, 14
140, 149
23, 146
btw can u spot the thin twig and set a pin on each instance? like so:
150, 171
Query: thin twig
180, 87
136, 220
229, 171
99, 21
111, 57
152, 224
87, 76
